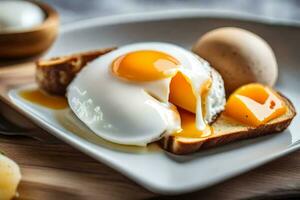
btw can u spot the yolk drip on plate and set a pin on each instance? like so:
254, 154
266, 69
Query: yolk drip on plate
155, 65
254, 104
38, 97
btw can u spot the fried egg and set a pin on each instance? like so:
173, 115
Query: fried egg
130, 95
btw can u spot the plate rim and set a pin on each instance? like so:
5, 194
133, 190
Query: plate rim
176, 14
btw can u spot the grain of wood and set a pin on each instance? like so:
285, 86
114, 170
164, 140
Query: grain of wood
58, 169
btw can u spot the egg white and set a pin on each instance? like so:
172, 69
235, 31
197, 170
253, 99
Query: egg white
137, 113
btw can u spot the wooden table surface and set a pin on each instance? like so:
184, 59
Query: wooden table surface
55, 170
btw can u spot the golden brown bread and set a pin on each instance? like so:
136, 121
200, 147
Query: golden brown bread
54, 75
227, 130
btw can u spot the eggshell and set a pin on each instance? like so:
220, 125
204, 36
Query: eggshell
239, 55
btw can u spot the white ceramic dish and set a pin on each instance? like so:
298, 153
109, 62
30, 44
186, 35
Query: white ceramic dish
155, 169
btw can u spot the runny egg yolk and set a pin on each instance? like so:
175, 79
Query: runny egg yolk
145, 65
182, 94
255, 104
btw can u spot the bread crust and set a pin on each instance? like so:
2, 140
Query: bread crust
55, 74
181, 147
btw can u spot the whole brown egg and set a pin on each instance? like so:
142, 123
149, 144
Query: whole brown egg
239, 55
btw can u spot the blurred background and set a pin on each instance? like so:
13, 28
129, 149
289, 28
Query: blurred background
72, 10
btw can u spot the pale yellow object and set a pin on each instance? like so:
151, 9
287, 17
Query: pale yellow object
10, 177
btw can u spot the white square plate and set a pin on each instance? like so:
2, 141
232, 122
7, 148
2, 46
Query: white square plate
155, 169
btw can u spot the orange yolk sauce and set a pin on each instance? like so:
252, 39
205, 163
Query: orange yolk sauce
41, 98
254, 105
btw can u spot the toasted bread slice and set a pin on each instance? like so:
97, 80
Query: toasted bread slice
54, 75
227, 130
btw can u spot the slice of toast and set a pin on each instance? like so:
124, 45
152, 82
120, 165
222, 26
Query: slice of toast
55, 74
227, 130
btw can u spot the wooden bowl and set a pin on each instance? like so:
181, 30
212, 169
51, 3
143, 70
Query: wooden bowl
30, 42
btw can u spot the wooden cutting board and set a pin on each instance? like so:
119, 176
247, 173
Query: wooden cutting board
52, 169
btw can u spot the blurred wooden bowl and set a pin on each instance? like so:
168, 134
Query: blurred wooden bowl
31, 42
